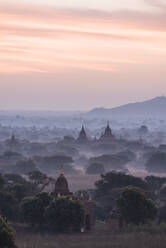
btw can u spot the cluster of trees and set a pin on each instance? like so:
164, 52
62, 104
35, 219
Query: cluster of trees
14, 188
52, 164
156, 162
109, 162
23, 200
16, 163
135, 198
135, 207
46, 212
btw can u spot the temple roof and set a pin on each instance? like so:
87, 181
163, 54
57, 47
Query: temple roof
82, 135
61, 185
107, 132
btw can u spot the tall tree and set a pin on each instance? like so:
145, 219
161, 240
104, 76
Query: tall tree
135, 207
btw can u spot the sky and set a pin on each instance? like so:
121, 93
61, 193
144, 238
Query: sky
77, 55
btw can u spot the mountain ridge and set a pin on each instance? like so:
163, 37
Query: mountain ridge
153, 107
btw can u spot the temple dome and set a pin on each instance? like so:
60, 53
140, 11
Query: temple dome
61, 186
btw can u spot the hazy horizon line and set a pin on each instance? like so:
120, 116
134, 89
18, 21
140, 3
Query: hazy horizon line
77, 110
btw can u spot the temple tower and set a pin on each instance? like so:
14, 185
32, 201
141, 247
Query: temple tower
107, 133
61, 186
82, 136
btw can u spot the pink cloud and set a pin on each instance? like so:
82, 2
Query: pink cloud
38, 39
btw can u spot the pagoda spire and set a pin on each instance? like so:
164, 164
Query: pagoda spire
82, 135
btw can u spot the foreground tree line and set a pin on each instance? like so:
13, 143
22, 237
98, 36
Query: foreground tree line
22, 200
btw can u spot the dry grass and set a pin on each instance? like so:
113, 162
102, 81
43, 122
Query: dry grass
101, 238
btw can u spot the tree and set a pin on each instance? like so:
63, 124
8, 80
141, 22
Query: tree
14, 179
115, 179
155, 183
135, 207
37, 177
109, 188
54, 163
114, 161
24, 166
40, 180
162, 214
18, 191
6, 235
19, 187
157, 162
8, 205
64, 214
95, 168
1, 181
143, 130
33, 209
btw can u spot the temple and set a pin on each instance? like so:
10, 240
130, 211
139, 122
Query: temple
107, 134
62, 189
82, 135
61, 186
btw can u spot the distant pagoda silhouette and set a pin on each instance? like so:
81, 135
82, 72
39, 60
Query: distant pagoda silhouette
82, 136
107, 133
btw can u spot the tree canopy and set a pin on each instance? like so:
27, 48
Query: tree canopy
6, 235
157, 162
135, 207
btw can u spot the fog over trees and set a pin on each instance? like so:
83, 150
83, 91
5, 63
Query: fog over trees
119, 164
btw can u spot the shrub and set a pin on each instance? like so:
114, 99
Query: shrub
135, 207
6, 235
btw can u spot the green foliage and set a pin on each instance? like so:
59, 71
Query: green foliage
18, 191
109, 188
54, 214
135, 207
33, 209
19, 187
115, 179
24, 166
6, 235
1, 181
64, 214
155, 183
128, 155
95, 168
115, 161
37, 177
54, 163
157, 162
14, 178
162, 214
59, 159
8, 205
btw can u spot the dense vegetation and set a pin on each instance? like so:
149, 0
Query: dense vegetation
135, 207
6, 234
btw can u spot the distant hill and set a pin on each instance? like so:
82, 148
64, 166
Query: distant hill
153, 107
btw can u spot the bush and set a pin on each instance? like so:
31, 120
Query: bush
135, 207
64, 214
33, 209
6, 235
8, 205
